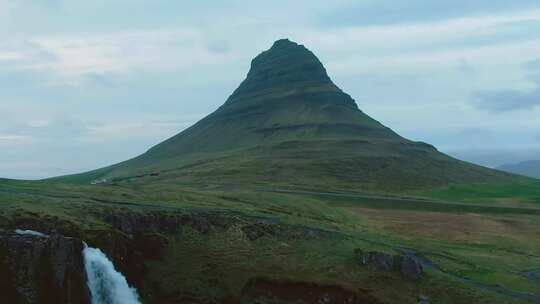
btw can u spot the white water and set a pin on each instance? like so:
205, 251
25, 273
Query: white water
107, 286
30, 232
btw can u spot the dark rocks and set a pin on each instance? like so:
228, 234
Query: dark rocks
408, 265
135, 225
261, 290
411, 268
139, 237
261, 229
258, 230
152, 245
533, 275
377, 260
132, 223
422, 299
41, 269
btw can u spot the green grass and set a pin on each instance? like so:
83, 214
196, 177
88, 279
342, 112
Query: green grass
218, 265
520, 191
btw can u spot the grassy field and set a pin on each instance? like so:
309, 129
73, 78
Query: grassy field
518, 193
480, 247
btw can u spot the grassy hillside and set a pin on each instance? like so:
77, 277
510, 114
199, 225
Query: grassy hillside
288, 125
374, 166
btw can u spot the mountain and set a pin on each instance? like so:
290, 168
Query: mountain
245, 207
288, 124
529, 168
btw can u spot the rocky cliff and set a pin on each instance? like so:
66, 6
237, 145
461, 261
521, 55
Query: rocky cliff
42, 269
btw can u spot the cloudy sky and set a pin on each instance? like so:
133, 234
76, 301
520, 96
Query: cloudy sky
84, 84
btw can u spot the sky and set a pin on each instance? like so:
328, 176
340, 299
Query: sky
85, 84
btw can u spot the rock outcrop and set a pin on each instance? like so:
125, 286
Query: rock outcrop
422, 299
408, 265
260, 290
41, 269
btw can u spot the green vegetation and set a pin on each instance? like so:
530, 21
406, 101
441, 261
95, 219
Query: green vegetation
515, 193
487, 247
277, 189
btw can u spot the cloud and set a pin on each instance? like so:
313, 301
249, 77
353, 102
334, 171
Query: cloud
494, 157
95, 59
465, 67
25, 54
368, 13
479, 41
507, 100
41, 4
469, 137
9, 56
68, 129
533, 65
61, 127
475, 136
99, 80
9, 138
220, 46
106, 91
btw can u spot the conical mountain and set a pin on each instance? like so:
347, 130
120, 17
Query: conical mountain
287, 95
288, 124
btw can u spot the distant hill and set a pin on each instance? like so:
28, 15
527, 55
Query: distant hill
529, 168
288, 124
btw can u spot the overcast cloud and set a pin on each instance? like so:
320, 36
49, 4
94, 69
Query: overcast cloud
509, 100
85, 84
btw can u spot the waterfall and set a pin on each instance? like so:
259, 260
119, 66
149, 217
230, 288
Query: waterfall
107, 286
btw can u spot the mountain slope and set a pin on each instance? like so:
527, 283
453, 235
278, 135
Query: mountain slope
288, 124
287, 95
529, 168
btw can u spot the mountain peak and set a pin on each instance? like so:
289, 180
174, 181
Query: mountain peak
283, 43
287, 124
286, 65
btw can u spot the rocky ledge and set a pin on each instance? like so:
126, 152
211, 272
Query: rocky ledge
260, 290
38, 268
407, 264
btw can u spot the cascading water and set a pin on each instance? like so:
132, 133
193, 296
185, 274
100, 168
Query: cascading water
107, 286
30, 232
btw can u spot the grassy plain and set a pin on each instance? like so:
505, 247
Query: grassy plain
480, 247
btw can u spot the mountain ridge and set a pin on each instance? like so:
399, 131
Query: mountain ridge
530, 168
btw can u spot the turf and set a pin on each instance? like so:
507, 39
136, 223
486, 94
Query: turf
487, 247
519, 192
